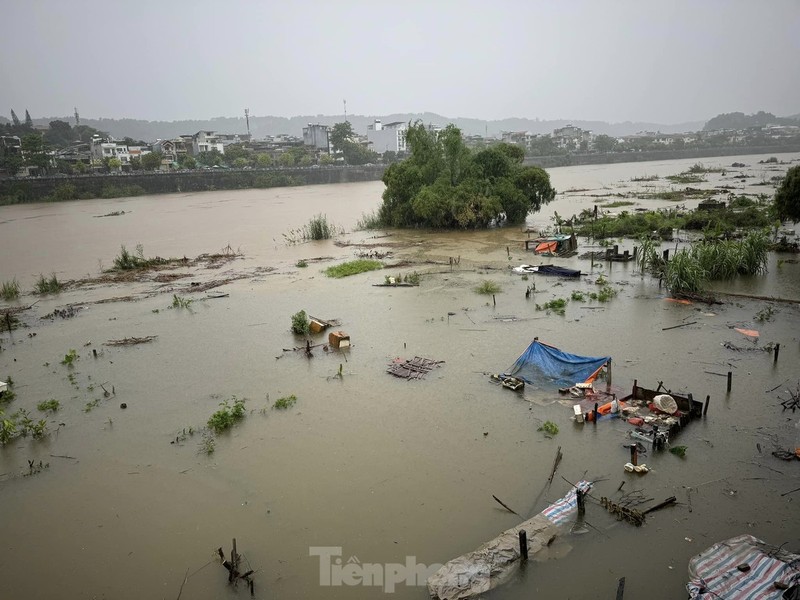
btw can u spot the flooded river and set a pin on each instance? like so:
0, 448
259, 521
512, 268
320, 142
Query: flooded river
128, 505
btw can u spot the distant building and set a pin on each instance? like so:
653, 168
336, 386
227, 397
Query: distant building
206, 141
389, 137
571, 137
316, 135
102, 149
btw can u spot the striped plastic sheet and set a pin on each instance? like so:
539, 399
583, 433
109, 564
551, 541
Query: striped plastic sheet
714, 573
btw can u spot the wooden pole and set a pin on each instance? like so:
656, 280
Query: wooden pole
494, 300
730, 380
634, 454
523, 544
777, 351
579, 496
621, 588
705, 407
595, 412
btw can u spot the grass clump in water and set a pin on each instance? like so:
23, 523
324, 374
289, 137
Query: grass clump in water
180, 302
301, 264
557, 305
10, 290
549, 428
354, 267
300, 323
488, 287
70, 358
318, 228
285, 402
369, 221
51, 405
127, 261
47, 286
227, 415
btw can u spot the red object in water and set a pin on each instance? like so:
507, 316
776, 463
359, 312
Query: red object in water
636, 421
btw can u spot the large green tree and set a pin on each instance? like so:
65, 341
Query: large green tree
339, 134
787, 198
443, 184
152, 161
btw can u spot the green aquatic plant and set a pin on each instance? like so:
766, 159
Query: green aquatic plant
354, 267
300, 323
49, 405
10, 290
227, 415
488, 287
287, 401
47, 286
70, 358
549, 428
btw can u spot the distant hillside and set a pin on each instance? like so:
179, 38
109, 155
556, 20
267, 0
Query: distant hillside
262, 126
738, 120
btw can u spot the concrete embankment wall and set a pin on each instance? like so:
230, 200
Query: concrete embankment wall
623, 157
100, 186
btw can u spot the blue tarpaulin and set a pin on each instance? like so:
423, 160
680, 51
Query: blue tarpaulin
542, 364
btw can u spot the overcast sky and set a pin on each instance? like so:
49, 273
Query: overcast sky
663, 61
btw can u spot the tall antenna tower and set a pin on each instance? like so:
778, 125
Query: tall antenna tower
345, 110
247, 118
77, 117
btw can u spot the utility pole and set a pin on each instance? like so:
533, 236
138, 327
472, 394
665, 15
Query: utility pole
247, 118
345, 110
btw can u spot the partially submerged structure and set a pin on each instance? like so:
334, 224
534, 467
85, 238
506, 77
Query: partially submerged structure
546, 270
560, 244
744, 568
492, 564
545, 365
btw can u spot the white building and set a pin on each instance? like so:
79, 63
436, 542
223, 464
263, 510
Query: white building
206, 141
102, 149
390, 137
316, 135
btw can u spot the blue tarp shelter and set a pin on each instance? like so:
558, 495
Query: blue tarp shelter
542, 364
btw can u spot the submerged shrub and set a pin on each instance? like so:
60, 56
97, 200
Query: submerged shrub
488, 287
47, 286
10, 290
300, 323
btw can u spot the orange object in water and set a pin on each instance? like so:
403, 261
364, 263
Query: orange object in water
747, 332
678, 300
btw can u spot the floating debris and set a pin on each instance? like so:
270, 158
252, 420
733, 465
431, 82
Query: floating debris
131, 341
415, 368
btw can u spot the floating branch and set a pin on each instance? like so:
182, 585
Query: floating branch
131, 341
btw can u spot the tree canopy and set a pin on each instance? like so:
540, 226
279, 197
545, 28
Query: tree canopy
341, 138
444, 184
787, 198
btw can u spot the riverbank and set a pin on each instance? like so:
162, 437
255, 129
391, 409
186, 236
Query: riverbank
118, 185
567, 160
80, 187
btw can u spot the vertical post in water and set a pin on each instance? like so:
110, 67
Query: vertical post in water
494, 300
777, 351
730, 380
523, 544
595, 413
634, 454
579, 496
705, 407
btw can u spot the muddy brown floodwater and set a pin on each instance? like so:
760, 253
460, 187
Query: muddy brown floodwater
379, 467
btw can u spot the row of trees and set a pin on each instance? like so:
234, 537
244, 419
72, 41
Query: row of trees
444, 184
